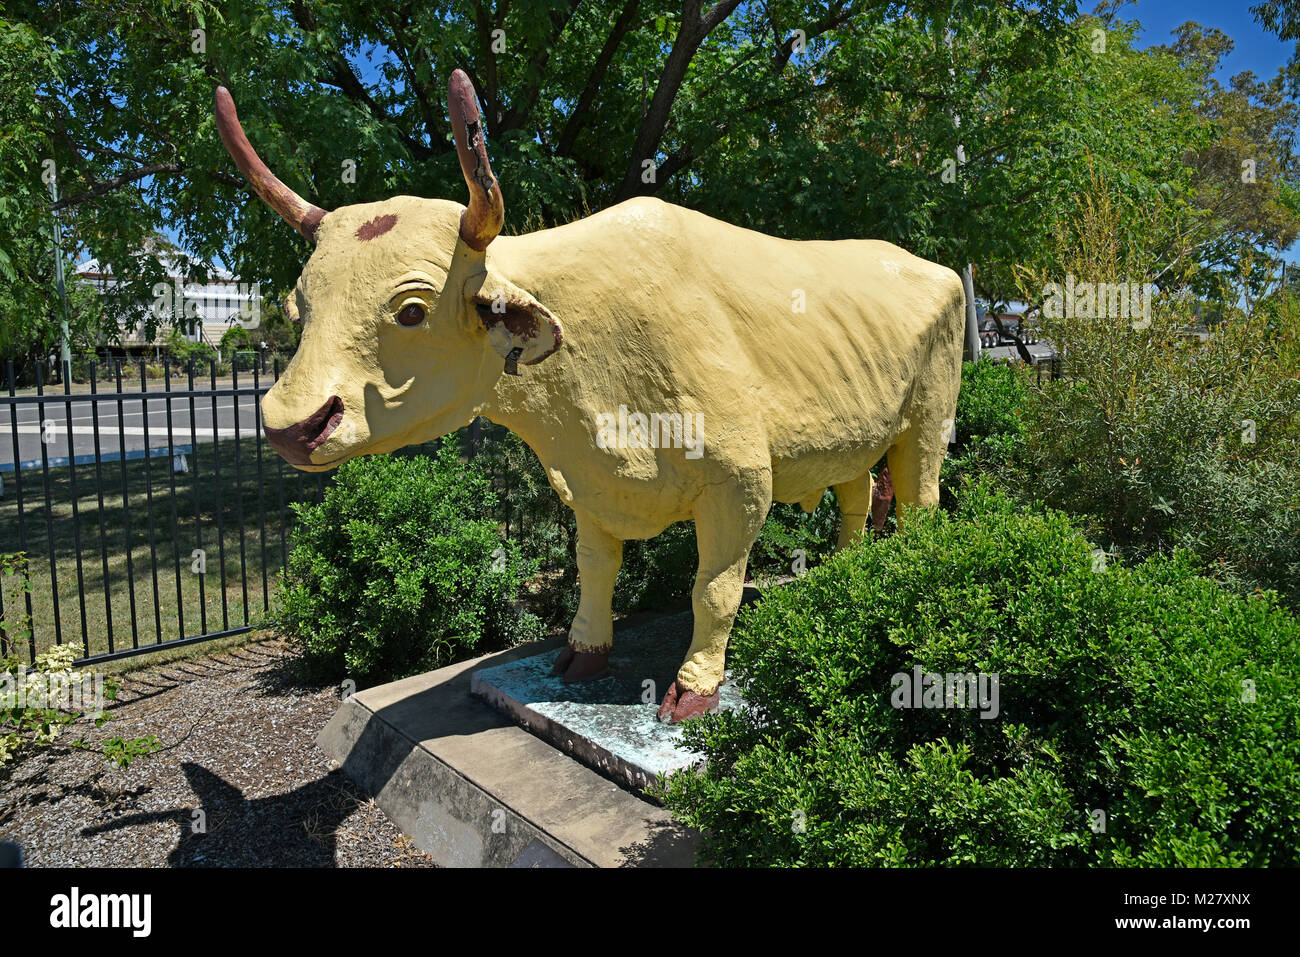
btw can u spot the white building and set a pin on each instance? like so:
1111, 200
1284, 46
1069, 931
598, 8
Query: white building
202, 312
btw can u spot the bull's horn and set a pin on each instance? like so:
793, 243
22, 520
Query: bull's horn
295, 210
481, 222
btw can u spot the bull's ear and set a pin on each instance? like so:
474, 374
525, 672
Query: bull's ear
521, 329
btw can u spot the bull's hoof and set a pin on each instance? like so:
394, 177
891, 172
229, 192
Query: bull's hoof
580, 665
682, 704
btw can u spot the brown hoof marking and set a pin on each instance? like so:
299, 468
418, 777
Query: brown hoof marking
681, 704
580, 665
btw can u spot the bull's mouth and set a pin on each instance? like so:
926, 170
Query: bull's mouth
297, 442
333, 411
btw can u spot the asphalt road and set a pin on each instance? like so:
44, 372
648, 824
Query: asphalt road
119, 432
1041, 352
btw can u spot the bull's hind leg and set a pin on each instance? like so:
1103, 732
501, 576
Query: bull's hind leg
914, 462
855, 506
917, 453
592, 635
727, 520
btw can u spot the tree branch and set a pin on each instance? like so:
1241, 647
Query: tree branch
342, 78
582, 111
424, 97
522, 106
117, 182
684, 155
694, 28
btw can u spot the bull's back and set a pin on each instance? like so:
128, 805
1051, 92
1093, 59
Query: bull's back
816, 344
838, 333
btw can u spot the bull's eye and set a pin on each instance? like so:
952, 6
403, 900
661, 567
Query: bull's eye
411, 315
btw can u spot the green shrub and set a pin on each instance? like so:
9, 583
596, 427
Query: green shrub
789, 529
181, 352
1246, 526
1158, 440
989, 423
657, 571
1188, 455
81, 368
400, 570
991, 401
234, 339
38, 704
1150, 694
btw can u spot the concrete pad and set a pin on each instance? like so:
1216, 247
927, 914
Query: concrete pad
473, 789
608, 723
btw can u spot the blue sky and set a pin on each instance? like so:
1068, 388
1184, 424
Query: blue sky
1255, 49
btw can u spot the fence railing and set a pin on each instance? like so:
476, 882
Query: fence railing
152, 517
149, 518
1050, 367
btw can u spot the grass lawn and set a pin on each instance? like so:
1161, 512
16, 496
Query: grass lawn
124, 573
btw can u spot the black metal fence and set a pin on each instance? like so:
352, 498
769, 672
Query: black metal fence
148, 517
1049, 367
140, 537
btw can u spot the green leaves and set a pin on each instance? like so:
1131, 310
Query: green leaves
400, 570
1120, 691
122, 751
37, 705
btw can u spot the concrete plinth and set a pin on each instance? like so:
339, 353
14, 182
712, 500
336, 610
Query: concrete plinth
474, 789
608, 723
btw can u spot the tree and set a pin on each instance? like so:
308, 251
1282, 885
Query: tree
1283, 18
826, 119
1244, 178
346, 102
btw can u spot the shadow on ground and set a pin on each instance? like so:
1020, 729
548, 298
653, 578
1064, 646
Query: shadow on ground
227, 829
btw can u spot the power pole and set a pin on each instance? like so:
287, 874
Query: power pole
65, 347
968, 273
972, 321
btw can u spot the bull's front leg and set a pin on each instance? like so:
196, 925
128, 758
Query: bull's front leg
727, 520
592, 635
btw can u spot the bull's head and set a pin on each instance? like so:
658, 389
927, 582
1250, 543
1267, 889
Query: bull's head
405, 324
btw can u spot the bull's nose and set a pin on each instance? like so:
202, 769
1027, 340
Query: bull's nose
297, 442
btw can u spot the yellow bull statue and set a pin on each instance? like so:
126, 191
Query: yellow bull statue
662, 365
